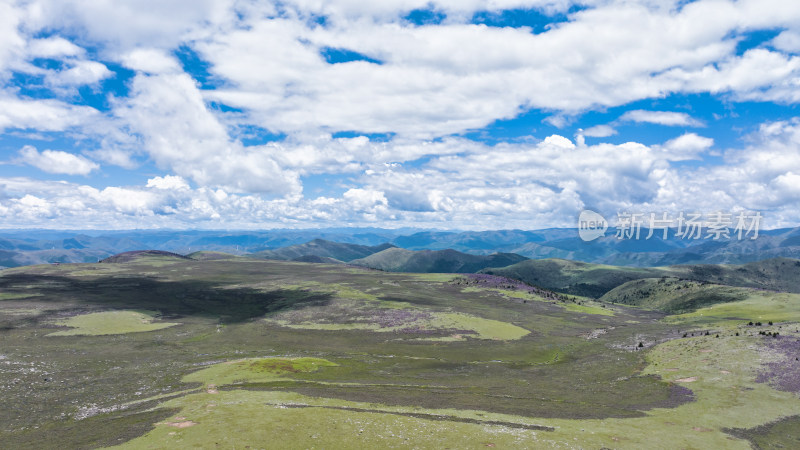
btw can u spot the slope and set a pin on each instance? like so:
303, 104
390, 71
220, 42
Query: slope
673, 295
322, 248
595, 280
435, 261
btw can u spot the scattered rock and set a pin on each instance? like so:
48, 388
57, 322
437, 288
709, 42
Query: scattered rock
686, 380
184, 424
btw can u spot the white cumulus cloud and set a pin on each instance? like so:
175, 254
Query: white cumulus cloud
168, 182
54, 161
667, 118
42, 115
180, 134
600, 131
687, 146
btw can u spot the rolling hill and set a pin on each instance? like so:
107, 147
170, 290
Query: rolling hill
595, 280
673, 295
316, 259
573, 277
775, 274
434, 261
322, 248
137, 255
210, 256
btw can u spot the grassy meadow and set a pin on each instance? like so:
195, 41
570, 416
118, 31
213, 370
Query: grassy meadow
161, 352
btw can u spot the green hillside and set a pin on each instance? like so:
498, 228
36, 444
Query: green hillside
674, 295
143, 255
595, 280
322, 248
211, 256
317, 259
435, 261
573, 277
776, 274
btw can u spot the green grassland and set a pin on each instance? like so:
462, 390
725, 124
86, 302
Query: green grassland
110, 322
759, 306
719, 371
458, 326
331, 356
576, 304
15, 295
255, 370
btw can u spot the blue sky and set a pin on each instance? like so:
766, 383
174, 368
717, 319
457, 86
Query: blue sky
447, 114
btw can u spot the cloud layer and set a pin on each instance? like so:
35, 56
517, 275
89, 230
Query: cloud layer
226, 114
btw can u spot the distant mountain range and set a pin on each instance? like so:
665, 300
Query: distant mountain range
26, 247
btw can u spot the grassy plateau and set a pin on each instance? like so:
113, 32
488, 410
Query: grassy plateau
162, 351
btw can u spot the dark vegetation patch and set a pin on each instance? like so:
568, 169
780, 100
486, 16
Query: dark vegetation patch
173, 299
522, 426
784, 433
102, 430
457, 386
